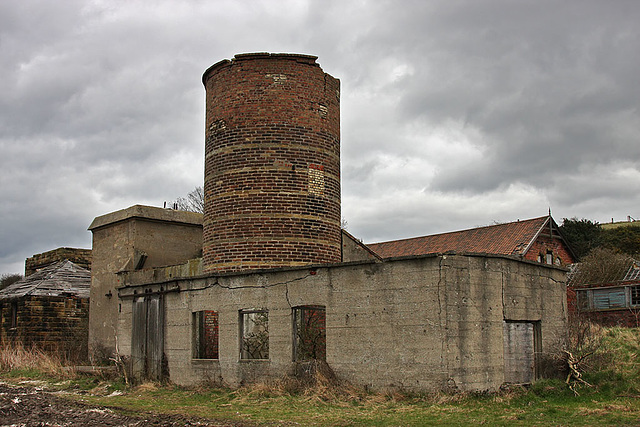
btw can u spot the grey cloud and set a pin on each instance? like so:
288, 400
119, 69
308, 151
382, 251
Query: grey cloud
103, 107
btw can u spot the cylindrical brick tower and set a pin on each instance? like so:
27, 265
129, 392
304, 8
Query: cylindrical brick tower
272, 163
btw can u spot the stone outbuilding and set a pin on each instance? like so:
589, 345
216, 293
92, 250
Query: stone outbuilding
48, 309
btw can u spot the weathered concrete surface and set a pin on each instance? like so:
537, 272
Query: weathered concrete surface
354, 250
419, 323
130, 239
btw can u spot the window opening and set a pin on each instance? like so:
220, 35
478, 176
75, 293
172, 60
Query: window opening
254, 327
608, 298
583, 300
635, 295
310, 333
549, 258
205, 334
14, 314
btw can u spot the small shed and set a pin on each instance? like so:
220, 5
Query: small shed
48, 309
611, 300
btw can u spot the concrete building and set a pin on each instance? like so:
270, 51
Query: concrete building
132, 239
266, 280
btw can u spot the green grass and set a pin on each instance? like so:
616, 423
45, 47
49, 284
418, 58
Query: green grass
614, 398
555, 406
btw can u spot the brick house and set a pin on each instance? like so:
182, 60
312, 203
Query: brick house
536, 239
48, 309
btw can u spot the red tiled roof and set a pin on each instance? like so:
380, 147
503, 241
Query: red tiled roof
511, 238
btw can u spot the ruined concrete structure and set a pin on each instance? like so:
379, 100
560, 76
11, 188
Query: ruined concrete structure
132, 239
278, 284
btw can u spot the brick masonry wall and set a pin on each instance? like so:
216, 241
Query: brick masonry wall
543, 244
57, 325
81, 257
272, 163
629, 316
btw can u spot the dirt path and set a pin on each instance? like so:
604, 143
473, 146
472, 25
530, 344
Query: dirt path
32, 406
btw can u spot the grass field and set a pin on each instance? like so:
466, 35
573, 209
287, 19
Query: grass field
613, 399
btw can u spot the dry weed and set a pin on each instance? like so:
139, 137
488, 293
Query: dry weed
14, 357
146, 386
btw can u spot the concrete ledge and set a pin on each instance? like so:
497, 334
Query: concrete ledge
147, 213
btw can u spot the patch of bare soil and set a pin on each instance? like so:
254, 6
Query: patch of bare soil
32, 406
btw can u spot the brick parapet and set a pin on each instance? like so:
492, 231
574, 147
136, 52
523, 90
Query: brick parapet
81, 257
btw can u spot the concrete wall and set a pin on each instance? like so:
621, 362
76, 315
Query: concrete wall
421, 323
134, 238
354, 250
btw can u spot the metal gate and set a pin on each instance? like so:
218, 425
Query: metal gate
147, 338
521, 345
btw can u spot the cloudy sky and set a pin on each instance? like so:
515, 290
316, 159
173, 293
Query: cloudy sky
455, 114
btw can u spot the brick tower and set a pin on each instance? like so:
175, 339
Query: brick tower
272, 163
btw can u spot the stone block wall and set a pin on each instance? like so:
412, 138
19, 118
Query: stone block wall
81, 257
58, 325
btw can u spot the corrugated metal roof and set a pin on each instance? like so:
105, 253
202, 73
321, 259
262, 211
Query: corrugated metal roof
62, 278
512, 238
634, 271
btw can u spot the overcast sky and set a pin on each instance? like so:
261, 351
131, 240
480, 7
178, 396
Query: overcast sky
455, 114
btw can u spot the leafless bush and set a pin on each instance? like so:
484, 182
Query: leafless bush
582, 352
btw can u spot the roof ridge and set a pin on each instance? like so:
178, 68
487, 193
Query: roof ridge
463, 230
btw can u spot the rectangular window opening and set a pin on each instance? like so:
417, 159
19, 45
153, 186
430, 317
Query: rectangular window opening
583, 300
205, 334
549, 257
254, 329
609, 298
310, 333
635, 295
14, 314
